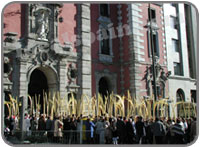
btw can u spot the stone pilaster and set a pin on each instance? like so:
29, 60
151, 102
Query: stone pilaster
22, 89
84, 49
119, 12
62, 79
135, 47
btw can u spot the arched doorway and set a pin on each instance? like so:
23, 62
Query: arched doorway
180, 96
37, 87
104, 88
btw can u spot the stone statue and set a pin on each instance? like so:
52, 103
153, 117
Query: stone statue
42, 22
149, 80
72, 72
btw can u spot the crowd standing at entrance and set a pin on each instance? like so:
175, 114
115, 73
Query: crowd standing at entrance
105, 130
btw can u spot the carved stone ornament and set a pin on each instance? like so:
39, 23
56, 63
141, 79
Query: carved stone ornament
7, 67
10, 37
43, 56
72, 72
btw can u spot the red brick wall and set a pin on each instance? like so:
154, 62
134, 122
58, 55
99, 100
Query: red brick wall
12, 19
95, 46
67, 28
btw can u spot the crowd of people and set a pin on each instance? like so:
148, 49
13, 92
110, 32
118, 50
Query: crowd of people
106, 130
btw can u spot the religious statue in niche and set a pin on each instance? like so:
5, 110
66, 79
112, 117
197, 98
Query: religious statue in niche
42, 15
72, 73
161, 78
7, 68
149, 79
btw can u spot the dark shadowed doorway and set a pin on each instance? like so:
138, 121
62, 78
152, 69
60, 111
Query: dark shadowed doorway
104, 87
37, 86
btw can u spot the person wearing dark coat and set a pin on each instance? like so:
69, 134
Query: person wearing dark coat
158, 131
120, 129
129, 131
33, 125
87, 124
66, 128
48, 127
114, 131
41, 125
177, 133
12, 122
139, 125
73, 125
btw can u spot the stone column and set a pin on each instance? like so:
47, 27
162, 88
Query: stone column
23, 93
84, 50
62, 79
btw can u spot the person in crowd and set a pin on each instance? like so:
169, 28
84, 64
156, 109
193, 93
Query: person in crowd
48, 127
115, 136
78, 129
34, 125
99, 128
159, 131
87, 124
90, 131
120, 129
148, 129
41, 125
193, 129
130, 131
73, 126
134, 129
12, 123
188, 130
177, 133
108, 132
66, 128
7, 126
140, 129
168, 136
27, 124
58, 125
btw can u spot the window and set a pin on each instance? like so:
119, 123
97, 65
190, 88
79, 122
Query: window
175, 45
177, 69
105, 42
154, 39
174, 22
193, 96
180, 96
104, 10
152, 14
173, 4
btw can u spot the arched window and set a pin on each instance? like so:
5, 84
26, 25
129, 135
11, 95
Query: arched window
180, 96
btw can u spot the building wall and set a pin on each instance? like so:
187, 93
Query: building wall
130, 51
138, 45
12, 19
97, 65
67, 29
184, 81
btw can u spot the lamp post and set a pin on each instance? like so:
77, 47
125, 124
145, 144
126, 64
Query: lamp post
152, 27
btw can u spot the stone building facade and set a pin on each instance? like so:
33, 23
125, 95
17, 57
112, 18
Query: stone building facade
181, 44
84, 48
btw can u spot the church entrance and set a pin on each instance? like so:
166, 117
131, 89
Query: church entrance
37, 87
104, 87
